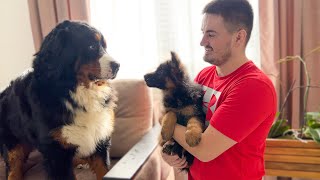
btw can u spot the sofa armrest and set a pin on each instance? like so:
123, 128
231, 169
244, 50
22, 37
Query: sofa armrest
133, 160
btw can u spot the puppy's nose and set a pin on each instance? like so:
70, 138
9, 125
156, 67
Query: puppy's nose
146, 77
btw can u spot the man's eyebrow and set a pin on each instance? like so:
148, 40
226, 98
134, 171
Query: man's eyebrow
210, 31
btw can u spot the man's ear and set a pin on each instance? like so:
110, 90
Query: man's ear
240, 38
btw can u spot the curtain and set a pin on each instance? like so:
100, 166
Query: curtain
46, 14
289, 28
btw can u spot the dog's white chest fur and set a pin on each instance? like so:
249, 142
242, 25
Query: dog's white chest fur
91, 125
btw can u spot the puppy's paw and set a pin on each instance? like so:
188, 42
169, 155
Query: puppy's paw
167, 133
193, 138
168, 124
168, 149
161, 141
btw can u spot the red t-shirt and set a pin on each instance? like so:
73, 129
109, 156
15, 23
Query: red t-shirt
242, 106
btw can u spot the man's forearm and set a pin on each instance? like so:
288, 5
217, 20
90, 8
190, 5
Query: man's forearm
212, 144
179, 136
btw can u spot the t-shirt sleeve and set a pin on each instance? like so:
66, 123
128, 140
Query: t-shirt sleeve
244, 108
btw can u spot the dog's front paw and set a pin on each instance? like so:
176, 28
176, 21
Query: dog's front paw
168, 124
193, 138
168, 149
166, 134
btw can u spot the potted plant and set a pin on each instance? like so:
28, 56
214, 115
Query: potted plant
295, 152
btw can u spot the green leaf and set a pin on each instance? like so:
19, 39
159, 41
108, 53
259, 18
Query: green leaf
312, 120
278, 128
315, 133
314, 115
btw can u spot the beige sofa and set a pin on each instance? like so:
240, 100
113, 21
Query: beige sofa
137, 114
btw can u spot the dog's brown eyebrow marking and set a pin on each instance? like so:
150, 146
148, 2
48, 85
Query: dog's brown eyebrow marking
98, 37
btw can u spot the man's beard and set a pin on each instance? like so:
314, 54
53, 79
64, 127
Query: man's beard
218, 61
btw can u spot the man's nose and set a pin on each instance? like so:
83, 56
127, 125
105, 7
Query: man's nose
203, 41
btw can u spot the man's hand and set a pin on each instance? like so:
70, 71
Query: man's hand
174, 160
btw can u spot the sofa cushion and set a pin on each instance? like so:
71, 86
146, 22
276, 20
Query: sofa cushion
133, 114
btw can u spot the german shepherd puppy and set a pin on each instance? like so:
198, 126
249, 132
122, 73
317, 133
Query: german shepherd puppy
182, 101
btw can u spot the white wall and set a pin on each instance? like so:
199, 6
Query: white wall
16, 43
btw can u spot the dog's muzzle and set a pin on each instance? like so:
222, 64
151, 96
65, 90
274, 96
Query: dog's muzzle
109, 67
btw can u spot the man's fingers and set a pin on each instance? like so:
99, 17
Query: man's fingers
174, 160
180, 162
184, 165
170, 158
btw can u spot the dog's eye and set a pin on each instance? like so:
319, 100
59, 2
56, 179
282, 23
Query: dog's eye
93, 47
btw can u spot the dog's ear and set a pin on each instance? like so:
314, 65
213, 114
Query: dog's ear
175, 59
64, 25
54, 42
52, 52
177, 69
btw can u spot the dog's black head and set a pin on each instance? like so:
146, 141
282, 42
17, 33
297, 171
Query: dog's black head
74, 52
168, 75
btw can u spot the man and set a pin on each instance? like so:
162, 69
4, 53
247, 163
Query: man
240, 101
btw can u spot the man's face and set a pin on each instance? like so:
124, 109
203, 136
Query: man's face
216, 40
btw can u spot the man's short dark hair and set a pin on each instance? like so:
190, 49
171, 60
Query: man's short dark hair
237, 14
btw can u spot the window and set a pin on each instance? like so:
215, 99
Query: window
141, 33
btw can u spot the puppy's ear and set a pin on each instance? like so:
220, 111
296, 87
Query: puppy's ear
175, 59
178, 71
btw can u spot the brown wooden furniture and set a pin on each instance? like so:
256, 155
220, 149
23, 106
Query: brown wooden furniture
292, 158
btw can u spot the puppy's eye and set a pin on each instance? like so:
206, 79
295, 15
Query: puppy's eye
161, 73
93, 47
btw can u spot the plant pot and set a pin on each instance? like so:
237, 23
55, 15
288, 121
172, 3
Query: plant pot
292, 158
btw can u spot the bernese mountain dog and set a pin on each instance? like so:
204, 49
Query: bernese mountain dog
63, 107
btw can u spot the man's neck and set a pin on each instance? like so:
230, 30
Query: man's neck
233, 63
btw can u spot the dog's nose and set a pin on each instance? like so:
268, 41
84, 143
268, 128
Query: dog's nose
146, 77
115, 66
